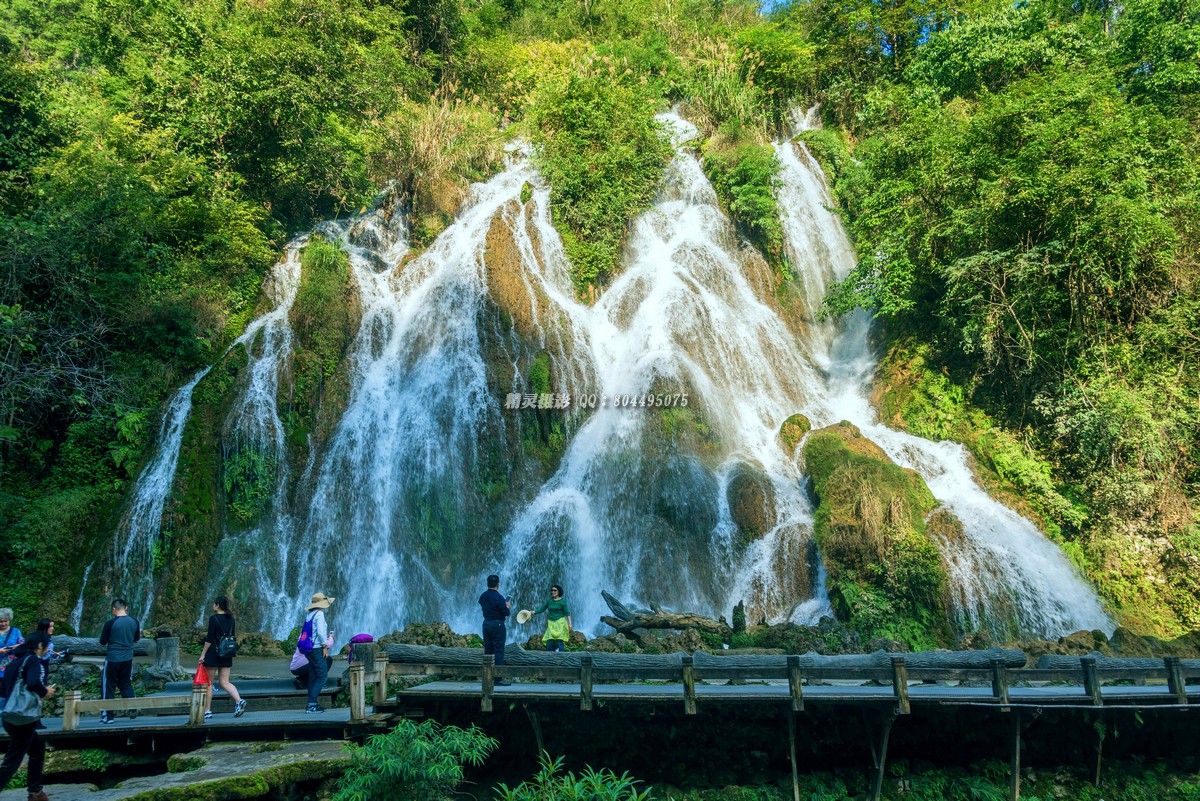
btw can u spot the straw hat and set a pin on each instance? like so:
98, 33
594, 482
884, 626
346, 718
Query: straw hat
320, 601
524, 615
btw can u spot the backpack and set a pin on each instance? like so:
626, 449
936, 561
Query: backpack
305, 644
227, 645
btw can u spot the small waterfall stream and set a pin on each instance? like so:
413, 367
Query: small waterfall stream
1006, 575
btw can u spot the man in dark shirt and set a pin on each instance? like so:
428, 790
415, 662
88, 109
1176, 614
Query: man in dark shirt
119, 634
495, 609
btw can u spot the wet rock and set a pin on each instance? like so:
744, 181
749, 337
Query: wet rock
751, 501
792, 431
220, 773
425, 634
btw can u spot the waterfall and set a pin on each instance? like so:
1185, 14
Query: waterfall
137, 546
640, 502
1005, 575
395, 511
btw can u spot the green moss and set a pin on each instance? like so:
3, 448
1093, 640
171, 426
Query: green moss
183, 763
792, 431
745, 173
886, 577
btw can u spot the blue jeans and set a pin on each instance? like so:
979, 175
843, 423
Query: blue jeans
318, 671
555, 645
494, 636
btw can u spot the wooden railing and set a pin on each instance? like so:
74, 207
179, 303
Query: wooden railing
73, 705
899, 674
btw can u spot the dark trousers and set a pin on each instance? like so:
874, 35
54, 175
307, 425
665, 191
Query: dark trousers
318, 671
25, 740
116, 677
555, 645
494, 636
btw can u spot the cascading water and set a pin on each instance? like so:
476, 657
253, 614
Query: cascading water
1006, 576
640, 502
141, 525
425, 485
396, 494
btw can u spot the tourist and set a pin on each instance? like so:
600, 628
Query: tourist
217, 654
46, 626
558, 620
120, 633
318, 632
10, 638
299, 664
22, 716
495, 610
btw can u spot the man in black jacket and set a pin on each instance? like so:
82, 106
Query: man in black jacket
24, 738
495, 609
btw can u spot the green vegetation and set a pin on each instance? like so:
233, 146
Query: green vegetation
414, 760
1023, 192
603, 153
885, 572
592, 785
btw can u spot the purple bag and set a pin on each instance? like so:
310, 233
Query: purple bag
358, 638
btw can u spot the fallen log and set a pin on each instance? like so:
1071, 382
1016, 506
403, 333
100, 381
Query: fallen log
671, 620
1052, 662
90, 646
516, 655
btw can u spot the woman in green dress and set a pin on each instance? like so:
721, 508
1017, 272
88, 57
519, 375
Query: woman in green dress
558, 620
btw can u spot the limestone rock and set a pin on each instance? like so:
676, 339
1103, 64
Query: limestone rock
751, 502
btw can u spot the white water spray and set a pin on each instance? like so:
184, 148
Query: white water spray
1005, 575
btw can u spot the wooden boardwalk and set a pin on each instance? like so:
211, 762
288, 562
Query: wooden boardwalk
1114, 697
780, 693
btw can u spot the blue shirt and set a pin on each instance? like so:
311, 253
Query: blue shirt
494, 606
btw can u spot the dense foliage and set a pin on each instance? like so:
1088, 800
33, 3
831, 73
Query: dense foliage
414, 760
1024, 192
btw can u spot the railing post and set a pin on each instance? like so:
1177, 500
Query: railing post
1000, 681
487, 682
900, 685
585, 682
1175, 680
1091, 680
196, 707
358, 692
689, 686
70, 712
795, 683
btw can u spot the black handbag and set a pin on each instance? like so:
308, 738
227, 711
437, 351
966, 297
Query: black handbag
227, 645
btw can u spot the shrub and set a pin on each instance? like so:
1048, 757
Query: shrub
414, 760
591, 785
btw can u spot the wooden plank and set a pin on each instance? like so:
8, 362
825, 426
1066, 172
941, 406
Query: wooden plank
585, 682
1000, 681
358, 692
196, 707
487, 684
124, 704
1175, 681
1091, 680
795, 684
689, 686
70, 720
792, 748
900, 687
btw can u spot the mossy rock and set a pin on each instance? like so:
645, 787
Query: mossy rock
886, 575
751, 500
792, 431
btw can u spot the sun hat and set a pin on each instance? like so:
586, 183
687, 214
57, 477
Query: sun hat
320, 601
524, 615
